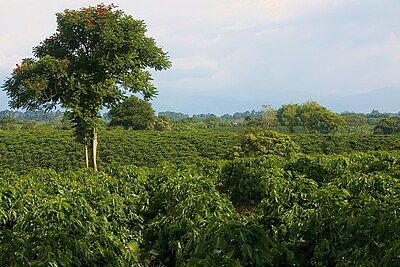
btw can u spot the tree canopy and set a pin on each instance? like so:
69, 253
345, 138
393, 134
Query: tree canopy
288, 116
389, 125
316, 118
96, 55
310, 115
132, 113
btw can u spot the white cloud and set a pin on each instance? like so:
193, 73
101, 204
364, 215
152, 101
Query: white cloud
253, 12
197, 62
245, 48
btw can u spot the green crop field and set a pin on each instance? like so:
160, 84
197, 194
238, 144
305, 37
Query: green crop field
303, 210
184, 199
22, 150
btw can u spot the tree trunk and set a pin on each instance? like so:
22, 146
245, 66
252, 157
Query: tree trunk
93, 151
86, 157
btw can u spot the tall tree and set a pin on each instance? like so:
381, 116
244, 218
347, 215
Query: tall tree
96, 55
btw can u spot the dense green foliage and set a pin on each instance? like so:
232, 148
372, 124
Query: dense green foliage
22, 150
161, 124
259, 142
389, 125
290, 118
328, 144
322, 210
310, 115
8, 123
299, 210
132, 113
25, 149
316, 118
78, 218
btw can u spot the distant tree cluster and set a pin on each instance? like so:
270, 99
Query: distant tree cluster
32, 115
308, 117
236, 116
137, 114
173, 115
242, 115
311, 116
389, 125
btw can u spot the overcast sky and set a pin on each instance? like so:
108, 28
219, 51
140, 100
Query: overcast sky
241, 50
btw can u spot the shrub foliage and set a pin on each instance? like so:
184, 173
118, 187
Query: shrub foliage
274, 211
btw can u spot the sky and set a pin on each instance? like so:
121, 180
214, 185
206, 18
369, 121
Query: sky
236, 55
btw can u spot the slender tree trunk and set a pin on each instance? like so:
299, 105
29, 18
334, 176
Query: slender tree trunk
86, 156
93, 151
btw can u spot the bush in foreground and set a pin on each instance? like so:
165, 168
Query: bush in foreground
305, 210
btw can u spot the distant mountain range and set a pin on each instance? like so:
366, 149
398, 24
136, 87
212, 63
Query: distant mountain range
385, 100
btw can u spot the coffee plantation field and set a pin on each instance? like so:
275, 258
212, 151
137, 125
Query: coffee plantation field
320, 210
199, 198
23, 149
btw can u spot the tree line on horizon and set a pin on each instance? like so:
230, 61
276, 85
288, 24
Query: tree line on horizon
137, 114
41, 115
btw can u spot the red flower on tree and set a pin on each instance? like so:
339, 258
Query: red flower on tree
17, 70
